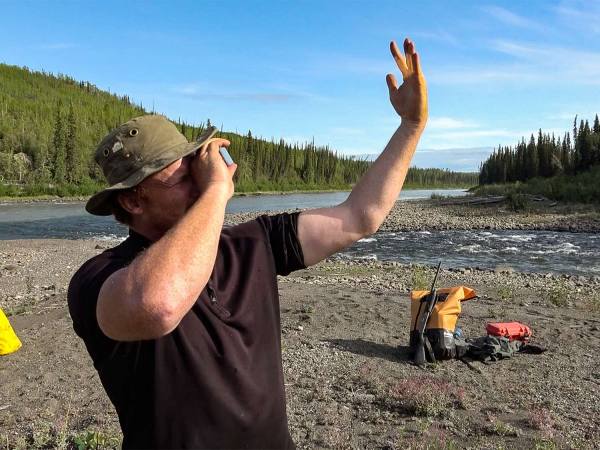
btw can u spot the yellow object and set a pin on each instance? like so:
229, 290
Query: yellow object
9, 342
445, 312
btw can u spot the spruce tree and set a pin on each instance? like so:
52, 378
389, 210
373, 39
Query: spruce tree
71, 148
58, 151
532, 159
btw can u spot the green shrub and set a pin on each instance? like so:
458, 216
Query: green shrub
517, 202
419, 279
581, 188
558, 295
95, 440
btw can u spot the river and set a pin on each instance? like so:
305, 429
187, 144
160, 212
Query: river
529, 251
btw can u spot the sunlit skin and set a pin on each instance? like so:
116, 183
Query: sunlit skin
163, 198
325, 231
409, 99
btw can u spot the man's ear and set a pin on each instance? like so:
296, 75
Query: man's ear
130, 202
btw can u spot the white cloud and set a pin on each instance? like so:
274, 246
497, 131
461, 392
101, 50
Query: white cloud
453, 150
347, 131
557, 63
297, 139
533, 63
508, 17
580, 15
566, 118
439, 36
470, 134
201, 91
483, 75
448, 123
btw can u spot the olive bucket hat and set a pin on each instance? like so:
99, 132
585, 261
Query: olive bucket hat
136, 150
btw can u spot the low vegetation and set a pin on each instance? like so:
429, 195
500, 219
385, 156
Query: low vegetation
427, 396
420, 278
580, 188
47, 436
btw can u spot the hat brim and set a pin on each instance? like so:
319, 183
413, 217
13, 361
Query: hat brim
100, 204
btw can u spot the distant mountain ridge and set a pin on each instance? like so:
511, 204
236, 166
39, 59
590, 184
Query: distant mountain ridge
464, 159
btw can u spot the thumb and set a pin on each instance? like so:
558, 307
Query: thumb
391, 82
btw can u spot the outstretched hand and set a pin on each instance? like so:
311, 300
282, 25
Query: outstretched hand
410, 98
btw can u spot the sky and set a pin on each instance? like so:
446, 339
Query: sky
304, 70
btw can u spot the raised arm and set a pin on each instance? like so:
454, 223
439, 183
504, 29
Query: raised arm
325, 231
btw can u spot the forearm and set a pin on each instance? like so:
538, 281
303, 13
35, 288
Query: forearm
376, 192
167, 279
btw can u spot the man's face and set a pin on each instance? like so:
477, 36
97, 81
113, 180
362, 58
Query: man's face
166, 196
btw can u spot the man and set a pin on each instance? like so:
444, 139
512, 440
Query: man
182, 319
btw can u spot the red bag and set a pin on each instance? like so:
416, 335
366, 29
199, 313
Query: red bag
510, 330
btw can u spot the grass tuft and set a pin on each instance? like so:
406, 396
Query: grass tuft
427, 396
419, 279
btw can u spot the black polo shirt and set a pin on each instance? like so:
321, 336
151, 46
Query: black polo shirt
216, 381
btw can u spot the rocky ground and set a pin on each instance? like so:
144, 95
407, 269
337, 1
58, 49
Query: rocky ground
349, 380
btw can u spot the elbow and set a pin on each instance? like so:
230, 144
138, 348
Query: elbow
366, 219
370, 220
163, 306
159, 316
128, 311
371, 227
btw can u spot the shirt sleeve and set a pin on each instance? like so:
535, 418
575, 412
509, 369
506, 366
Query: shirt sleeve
82, 298
282, 233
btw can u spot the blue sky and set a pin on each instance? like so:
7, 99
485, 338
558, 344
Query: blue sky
316, 69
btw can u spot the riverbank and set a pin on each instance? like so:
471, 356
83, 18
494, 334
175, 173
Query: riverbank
436, 215
348, 379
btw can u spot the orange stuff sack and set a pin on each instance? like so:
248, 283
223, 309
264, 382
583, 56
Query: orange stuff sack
442, 322
9, 342
446, 310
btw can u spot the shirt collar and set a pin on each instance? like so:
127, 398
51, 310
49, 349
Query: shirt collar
138, 241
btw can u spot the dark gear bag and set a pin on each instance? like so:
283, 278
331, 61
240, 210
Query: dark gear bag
491, 348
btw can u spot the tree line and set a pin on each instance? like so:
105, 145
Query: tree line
50, 125
546, 156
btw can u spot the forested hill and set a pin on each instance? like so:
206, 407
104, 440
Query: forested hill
50, 125
548, 156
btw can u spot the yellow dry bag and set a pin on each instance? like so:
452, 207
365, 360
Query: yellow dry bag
442, 321
9, 342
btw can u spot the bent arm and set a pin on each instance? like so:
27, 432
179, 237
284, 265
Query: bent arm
149, 298
325, 231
